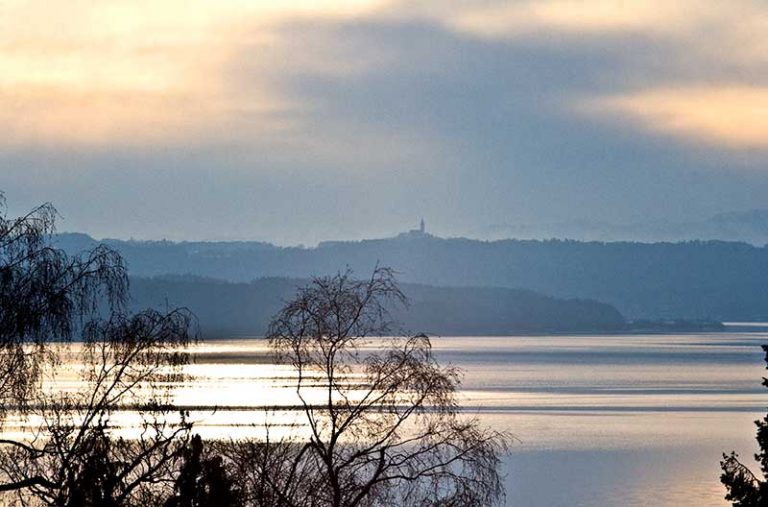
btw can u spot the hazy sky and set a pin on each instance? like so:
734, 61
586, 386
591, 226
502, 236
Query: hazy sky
295, 121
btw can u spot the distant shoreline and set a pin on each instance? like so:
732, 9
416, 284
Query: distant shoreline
618, 332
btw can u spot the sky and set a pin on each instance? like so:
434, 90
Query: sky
300, 121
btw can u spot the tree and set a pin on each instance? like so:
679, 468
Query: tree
46, 296
74, 458
382, 420
745, 489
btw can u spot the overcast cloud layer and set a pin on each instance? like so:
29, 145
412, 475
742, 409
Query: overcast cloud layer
301, 121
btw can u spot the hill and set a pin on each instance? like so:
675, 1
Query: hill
693, 280
228, 309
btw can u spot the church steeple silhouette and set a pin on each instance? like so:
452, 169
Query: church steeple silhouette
422, 227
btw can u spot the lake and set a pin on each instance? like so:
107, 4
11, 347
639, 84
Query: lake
601, 420
630, 420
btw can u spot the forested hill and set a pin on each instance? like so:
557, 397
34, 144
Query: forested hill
227, 309
695, 280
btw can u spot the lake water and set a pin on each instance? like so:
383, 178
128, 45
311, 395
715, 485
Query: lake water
601, 420
637, 420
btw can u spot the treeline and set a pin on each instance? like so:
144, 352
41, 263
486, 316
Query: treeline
692, 280
227, 309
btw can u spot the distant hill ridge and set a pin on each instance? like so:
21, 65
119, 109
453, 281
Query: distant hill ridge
227, 309
695, 280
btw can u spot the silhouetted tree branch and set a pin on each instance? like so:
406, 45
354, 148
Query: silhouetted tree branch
74, 459
46, 296
383, 424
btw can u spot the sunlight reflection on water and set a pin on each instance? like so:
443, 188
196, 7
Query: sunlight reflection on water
601, 420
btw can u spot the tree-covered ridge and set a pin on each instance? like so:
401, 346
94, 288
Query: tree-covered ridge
244, 309
693, 280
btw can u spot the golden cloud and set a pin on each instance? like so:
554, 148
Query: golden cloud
500, 19
733, 116
729, 37
706, 31
125, 72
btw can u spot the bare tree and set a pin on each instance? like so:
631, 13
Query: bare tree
74, 457
381, 415
74, 460
45, 296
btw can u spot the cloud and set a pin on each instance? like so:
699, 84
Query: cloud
131, 73
733, 116
294, 120
116, 73
705, 78
510, 19
650, 17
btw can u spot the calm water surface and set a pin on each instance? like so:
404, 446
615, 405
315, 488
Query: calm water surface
601, 420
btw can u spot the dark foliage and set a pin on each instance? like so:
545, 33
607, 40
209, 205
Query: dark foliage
745, 489
203, 481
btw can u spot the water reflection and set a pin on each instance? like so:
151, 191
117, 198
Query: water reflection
602, 420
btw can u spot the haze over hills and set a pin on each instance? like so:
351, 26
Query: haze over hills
749, 226
691, 280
